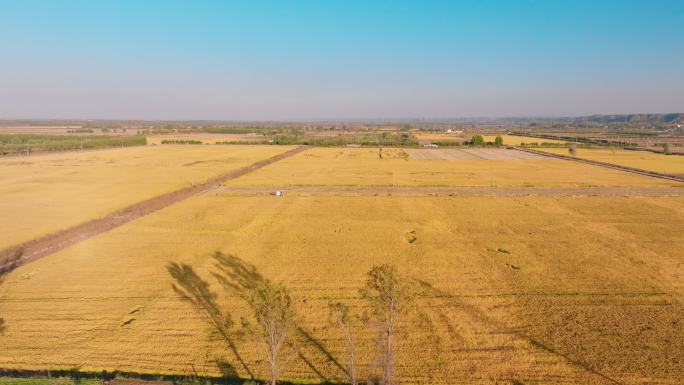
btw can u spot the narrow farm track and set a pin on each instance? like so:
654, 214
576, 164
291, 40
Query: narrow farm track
449, 191
37, 248
604, 164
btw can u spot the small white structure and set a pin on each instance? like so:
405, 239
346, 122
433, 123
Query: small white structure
278, 193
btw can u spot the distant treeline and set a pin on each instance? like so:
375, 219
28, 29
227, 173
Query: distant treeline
25, 144
363, 139
81, 131
234, 130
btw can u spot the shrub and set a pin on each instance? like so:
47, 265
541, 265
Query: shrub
477, 140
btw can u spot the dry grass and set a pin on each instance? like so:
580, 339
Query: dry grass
645, 160
540, 290
364, 167
45, 193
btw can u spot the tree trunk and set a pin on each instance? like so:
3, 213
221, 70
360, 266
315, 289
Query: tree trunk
388, 369
274, 365
352, 349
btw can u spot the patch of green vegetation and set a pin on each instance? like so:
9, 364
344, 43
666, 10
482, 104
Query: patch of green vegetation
25, 144
49, 381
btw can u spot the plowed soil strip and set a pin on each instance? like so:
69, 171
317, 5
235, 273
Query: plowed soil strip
40, 247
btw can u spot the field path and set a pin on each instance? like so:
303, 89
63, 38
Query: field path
37, 248
449, 191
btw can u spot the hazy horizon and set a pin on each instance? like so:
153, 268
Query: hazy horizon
339, 60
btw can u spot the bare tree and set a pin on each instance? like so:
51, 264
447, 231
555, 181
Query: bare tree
274, 312
339, 316
389, 297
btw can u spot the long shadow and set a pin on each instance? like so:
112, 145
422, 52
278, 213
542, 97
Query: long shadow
236, 275
192, 288
310, 364
481, 316
319, 346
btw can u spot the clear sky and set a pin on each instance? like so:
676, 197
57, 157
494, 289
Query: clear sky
278, 60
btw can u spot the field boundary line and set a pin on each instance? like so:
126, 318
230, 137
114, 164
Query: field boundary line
604, 164
26, 252
458, 191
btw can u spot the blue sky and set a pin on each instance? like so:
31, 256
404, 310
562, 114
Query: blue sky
279, 60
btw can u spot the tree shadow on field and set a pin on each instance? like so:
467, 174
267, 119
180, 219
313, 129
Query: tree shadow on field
192, 288
481, 316
318, 345
236, 275
242, 278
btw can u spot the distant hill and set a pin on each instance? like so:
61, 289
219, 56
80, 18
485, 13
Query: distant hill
636, 118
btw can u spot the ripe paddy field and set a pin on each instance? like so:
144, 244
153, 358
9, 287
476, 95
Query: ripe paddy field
645, 160
437, 167
547, 277
45, 193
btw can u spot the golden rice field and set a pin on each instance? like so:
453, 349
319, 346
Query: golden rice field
45, 193
645, 160
536, 289
540, 290
397, 167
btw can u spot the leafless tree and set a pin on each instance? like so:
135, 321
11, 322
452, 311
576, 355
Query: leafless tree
339, 316
274, 312
389, 297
